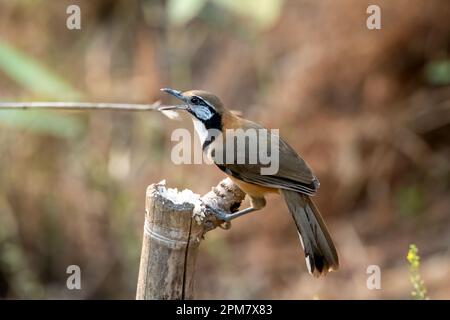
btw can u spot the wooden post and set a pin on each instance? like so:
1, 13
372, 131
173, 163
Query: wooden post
175, 224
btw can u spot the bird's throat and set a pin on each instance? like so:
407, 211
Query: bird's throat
201, 130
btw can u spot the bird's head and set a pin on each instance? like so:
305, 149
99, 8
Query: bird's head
203, 105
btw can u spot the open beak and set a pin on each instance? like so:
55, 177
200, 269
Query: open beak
176, 94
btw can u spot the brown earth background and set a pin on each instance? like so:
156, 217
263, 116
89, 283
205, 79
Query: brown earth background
368, 109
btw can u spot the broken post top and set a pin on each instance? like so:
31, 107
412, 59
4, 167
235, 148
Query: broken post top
225, 196
175, 223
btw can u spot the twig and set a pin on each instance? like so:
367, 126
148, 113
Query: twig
80, 106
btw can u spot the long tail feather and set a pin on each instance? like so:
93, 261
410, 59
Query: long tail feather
320, 252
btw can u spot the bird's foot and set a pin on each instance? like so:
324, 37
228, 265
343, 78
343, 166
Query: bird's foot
220, 214
227, 217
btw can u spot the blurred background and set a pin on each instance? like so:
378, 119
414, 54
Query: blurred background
368, 109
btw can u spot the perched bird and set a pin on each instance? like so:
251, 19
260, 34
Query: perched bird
294, 180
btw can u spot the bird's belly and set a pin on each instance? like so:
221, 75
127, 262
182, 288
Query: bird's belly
254, 190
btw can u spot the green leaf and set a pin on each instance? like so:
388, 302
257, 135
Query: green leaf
180, 12
264, 13
410, 200
438, 72
30, 74
42, 122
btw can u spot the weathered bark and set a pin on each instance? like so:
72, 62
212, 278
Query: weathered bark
174, 228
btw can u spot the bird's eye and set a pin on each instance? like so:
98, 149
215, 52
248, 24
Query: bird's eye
195, 100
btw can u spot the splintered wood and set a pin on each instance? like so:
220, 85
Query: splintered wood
175, 224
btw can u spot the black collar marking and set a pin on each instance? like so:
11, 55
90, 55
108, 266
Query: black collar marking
215, 122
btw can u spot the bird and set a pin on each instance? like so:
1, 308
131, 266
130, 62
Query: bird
294, 179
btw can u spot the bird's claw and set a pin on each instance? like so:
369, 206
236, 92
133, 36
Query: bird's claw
219, 214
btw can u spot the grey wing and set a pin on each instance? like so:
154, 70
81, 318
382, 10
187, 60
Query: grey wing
293, 173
